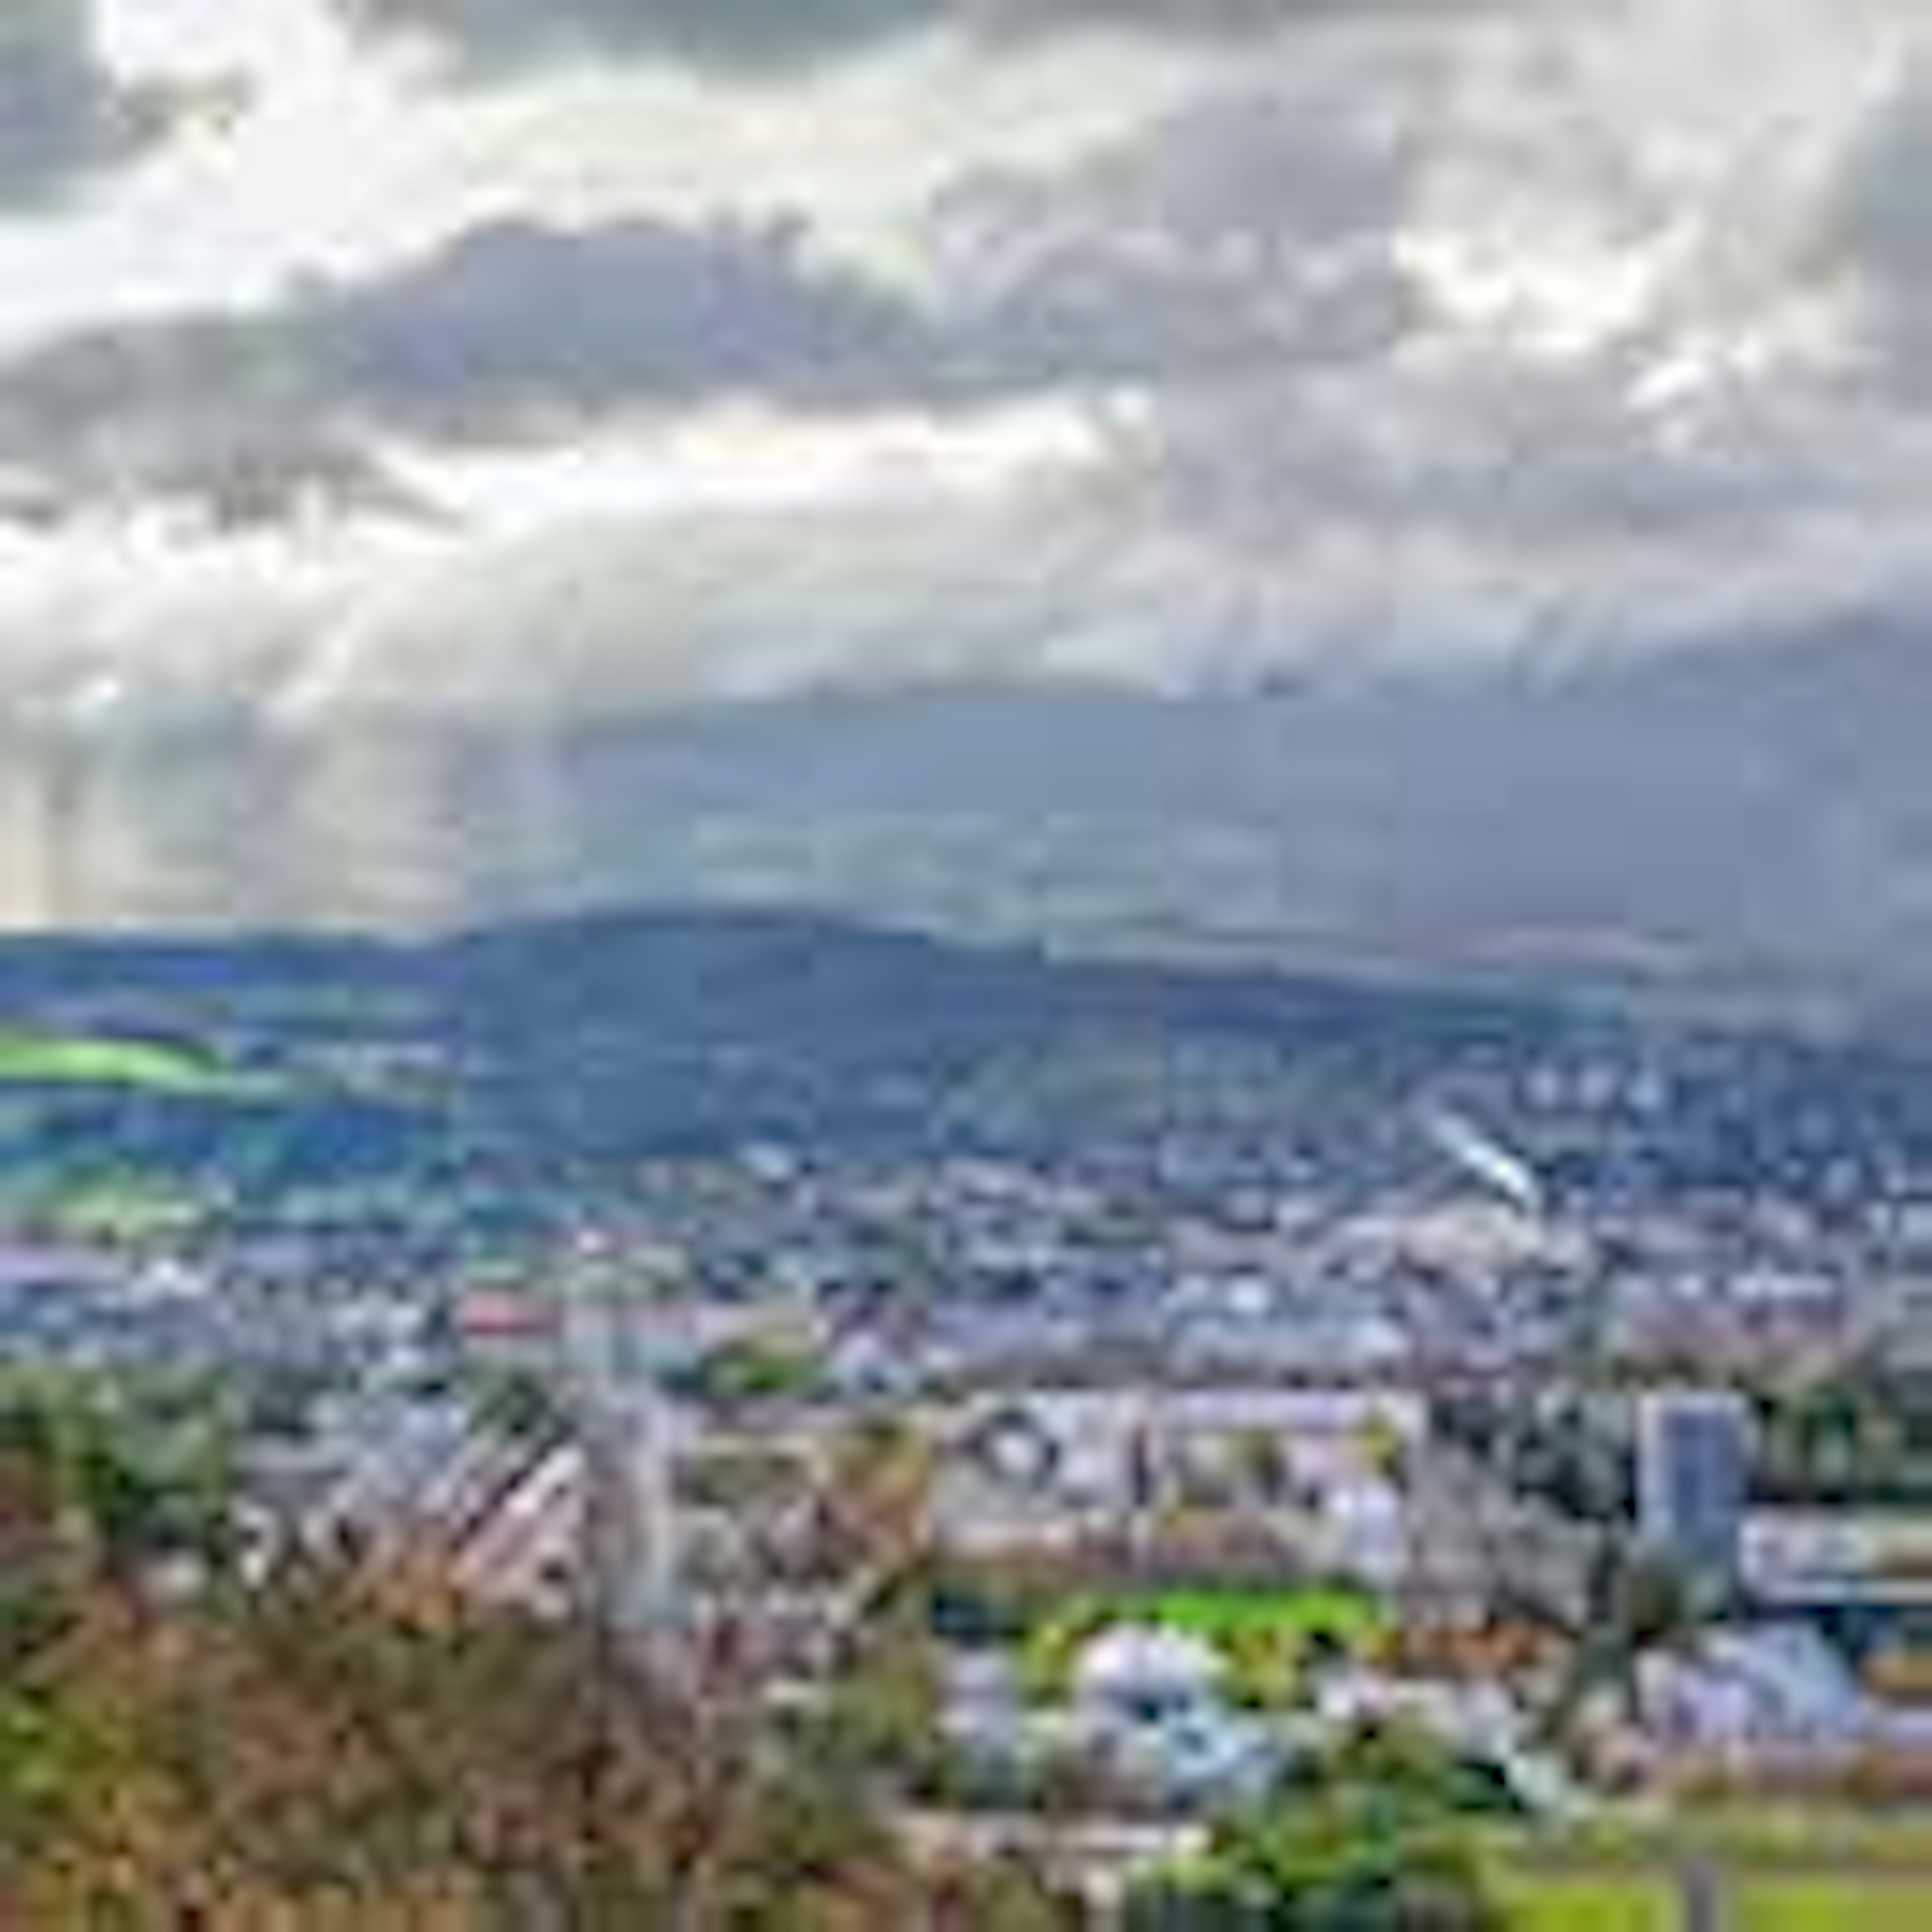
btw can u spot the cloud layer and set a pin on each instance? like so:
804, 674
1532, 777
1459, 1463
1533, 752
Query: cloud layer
511, 331
772, 38
1227, 246
1470, 333
65, 119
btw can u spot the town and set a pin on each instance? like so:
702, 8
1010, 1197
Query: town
1117, 1478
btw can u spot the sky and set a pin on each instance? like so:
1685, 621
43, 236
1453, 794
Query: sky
395, 359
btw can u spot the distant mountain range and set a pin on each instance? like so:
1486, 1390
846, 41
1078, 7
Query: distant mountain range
580, 1046
1749, 823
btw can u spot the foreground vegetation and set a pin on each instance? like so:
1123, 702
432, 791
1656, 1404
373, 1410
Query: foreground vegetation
299, 1747
187, 1738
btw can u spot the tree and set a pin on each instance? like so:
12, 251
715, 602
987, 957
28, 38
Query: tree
296, 1750
878, 1500
1374, 1839
1637, 1600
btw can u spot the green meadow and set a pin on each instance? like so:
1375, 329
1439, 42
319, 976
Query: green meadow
55, 1060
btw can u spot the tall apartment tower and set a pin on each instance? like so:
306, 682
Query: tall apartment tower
1694, 1478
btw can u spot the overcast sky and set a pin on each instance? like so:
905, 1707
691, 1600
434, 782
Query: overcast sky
464, 354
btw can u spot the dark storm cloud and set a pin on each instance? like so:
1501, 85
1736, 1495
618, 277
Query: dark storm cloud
64, 118
755, 36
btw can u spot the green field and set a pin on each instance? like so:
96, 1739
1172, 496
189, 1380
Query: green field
1867, 1904
1265, 1634
1324, 1611
1647, 1899
48, 1059
125, 1209
1775, 1833
1636, 1904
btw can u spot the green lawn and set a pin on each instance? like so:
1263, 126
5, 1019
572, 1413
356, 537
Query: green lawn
1263, 1632
122, 1210
1648, 1901
1738, 1835
1348, 1616
1538, 1904
1872, 1904
46, 1059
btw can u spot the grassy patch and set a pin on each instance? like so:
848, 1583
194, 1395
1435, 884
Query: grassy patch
1634, 1904
122, 1211
47, 1060
1868, 1904
1344, 1616
1739, 1835
1849, 1875
1266, 1634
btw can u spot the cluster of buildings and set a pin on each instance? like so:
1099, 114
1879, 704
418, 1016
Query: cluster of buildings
1181, 1369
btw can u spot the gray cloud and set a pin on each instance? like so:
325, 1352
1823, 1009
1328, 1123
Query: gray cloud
1318, 449
782, 36
64, 118
1875, 235
515, 326
1253, 233
509, 332
1237, 240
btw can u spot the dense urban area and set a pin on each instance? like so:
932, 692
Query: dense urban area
710, 1421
